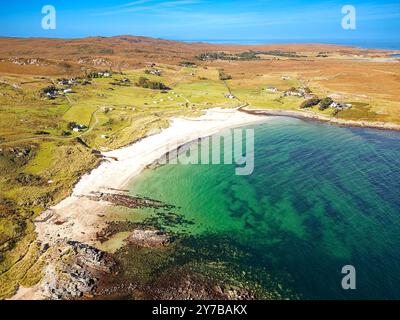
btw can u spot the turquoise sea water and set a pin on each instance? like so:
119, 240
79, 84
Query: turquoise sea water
321, 197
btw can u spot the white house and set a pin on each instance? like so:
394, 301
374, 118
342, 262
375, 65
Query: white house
292, 93
339, 105
155, 72
52, 95
230, 96
63, 82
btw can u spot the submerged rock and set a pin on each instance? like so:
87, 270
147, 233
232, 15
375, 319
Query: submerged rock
148, 238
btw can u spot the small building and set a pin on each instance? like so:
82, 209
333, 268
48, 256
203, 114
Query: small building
63, 82
340, 106
156, 72
52, 95
230, 96
77, 127
292, 93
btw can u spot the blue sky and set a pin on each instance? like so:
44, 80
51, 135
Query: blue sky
204, 19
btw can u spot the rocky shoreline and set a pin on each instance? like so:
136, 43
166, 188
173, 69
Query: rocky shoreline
309, 115
77, 273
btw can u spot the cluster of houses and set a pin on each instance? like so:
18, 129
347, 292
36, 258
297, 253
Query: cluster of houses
304, 92
54, 92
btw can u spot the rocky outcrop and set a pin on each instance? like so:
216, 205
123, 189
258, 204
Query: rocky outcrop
181, 285
124, 200
77, 272
68, 284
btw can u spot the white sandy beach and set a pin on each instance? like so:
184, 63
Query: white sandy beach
81, 216
78, 218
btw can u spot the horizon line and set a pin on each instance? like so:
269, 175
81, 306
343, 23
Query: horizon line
347, 42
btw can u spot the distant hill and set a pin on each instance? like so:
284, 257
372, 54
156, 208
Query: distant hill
61, 56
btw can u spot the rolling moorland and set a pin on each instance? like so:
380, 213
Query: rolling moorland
63, 102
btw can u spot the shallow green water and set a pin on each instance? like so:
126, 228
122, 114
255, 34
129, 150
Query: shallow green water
320, 197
